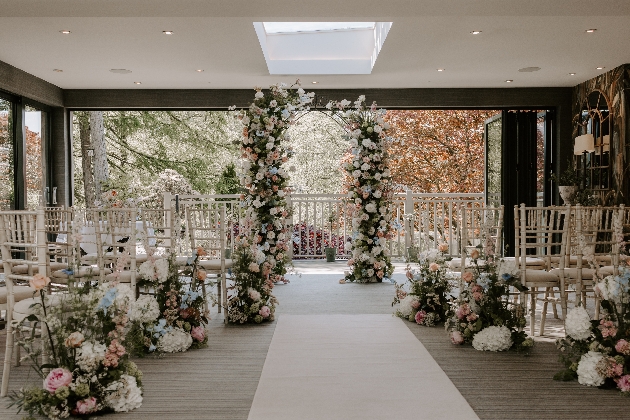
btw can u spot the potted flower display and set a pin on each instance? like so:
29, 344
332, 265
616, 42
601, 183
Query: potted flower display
568, 182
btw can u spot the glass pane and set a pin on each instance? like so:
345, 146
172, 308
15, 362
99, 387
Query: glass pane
6, 156
540, 159
34, 157
493, 160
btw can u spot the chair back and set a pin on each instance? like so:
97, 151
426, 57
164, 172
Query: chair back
23, 242
597, 231
207, 229
160, 231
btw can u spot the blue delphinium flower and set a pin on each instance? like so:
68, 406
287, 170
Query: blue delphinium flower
107, 300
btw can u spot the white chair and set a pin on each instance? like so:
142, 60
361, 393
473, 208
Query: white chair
542, 235
22, 243
207, 229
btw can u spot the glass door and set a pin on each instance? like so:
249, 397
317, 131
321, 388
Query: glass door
7, 165
35, 133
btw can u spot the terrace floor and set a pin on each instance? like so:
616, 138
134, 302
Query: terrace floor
220, 381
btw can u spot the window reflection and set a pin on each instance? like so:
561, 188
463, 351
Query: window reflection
6, 156
34, 157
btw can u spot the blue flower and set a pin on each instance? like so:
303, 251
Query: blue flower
273, 170
151, 348
183, 306
285, 114
67, 271
107, 300
506, 276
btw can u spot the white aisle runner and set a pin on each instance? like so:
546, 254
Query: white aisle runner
345, 367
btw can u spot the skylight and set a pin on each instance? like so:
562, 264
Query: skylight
300, 48
297, 27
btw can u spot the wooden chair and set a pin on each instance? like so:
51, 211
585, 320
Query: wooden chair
542, 235
22, 243
207, 229
478, 226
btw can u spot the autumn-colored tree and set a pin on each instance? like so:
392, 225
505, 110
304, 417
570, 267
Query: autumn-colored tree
439, 151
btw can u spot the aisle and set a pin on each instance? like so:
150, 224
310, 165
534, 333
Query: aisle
352, 367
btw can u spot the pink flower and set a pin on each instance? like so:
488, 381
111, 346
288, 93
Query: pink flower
456, 337
409, 275
477, 296
415, 304
114, 352
472, 317
623, 347
467, 276
434, 267
265, 311
463, 311
86, 406
39, 281
57, 378
443, 247
380, 274
420, 315
623, 383
198, 333
474, 254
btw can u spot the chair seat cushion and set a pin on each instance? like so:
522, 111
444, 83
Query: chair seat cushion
19, 293
607, 270
21, 269
541, 278
572, 273
55, 266
24, 306
531, 262
456, 264
122, 277
214, 265
85, 271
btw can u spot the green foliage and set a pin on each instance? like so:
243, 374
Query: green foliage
228, 182
569, 177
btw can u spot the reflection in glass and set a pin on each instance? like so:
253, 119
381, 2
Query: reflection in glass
6, 156
34, 157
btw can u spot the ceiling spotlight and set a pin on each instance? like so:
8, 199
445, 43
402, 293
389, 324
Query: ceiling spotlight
199, 70
600, 68
509, 81
138, 83
475, 32
571, 74
65, 32
58, 70
315, 83
440, 69
168, 32
590, 31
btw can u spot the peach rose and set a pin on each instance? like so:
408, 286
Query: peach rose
74, 340
201, 275
474, 254
467, 276
434, 267
39, 281
201, 252
443, 247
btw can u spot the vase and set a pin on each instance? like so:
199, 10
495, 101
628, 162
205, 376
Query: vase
330, 254
567, 193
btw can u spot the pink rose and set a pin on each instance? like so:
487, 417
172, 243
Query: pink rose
623, 383
467, 276
39, 281
86, 406
74, 340
462, 311
198, 333
253, 267
409, 275
443, 247
434, 267
57, 378
456, 337
623, 347
265, 312
474, 254
415, 304
477, 296
420, 315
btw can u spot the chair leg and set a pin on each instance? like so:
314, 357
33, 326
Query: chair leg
563, 299
219, 294
8, 355
597, 307
554, 304
532, 309
17, 334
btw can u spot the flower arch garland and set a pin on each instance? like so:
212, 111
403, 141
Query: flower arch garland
265, 181
371, 190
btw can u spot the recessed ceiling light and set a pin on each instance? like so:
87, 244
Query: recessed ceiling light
590, 31
475, 32
138, 83
315, 83
58, 70
528, 69
65, 31
168, 32
440, 69
571, 74
509, 81
199, 70
600, 68
120, 71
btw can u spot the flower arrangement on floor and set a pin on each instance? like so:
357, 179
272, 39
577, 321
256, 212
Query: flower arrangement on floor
89, 370
597, 352
427, 301
175, 319
263, 177
250, 297
371, 190
483, 315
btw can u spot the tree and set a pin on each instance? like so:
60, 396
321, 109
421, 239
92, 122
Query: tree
228, 182
438, 150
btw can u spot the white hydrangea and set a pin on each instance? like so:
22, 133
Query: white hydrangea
493, 339
578, 324
587, 369
405, 308
90, 355
161, 270
609, 288
124, 295
123, 395
428, 256
174, 341
508, 267
145, 310
154, 270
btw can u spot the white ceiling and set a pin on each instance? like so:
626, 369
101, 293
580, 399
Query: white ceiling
219, 37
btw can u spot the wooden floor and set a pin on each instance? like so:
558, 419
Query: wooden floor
219, 382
